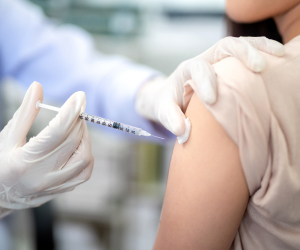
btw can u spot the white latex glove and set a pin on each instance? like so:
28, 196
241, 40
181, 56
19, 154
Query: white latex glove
165, 99
55, 161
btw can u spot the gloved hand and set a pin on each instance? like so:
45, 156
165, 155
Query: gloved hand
55, 161
165, 99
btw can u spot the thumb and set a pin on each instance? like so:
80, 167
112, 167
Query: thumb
18, 127
172, 118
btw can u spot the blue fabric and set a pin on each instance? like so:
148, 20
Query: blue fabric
63, 59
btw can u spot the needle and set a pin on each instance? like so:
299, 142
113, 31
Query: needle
158, 137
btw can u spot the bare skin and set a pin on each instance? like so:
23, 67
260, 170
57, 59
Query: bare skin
206, 194
286, 14
249, 11
288, 23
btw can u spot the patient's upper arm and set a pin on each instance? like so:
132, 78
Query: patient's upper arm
206, 194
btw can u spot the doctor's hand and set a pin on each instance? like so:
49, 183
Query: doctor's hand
165, 99
55, 161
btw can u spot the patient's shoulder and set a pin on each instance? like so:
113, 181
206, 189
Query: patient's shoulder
233, 73
243, 110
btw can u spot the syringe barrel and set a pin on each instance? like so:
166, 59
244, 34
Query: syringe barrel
102, 121
110, 123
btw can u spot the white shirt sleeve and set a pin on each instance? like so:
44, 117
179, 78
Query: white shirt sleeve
63, 59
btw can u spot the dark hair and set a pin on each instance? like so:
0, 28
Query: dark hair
265, 28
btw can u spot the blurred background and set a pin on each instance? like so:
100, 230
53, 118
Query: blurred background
119, 207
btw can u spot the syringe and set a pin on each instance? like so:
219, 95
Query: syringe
102, 121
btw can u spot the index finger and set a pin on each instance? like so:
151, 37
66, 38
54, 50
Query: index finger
246, 49
264, 44
59, 128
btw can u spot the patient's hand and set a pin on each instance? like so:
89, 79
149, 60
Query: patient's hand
206, 194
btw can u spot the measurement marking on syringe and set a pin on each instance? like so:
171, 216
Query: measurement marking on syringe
103, 121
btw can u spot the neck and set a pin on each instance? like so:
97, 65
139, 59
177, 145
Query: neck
288, 23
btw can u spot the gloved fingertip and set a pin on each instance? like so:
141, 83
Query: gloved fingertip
176, 129
34, 90
76, 101
210, 98
37, 88
83, 107
36, 84
81, 94
172, 118
183, 138
33, 94
208, 93
257, 64
79, 97
277, 49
